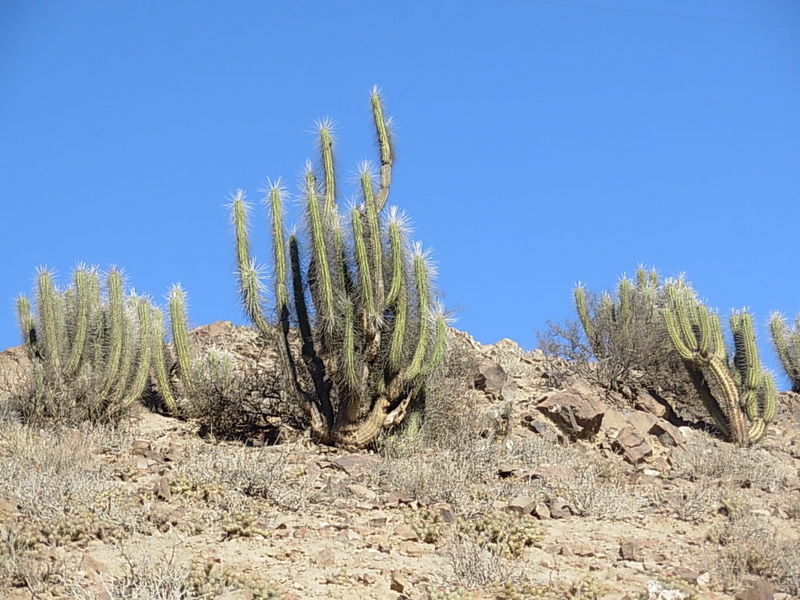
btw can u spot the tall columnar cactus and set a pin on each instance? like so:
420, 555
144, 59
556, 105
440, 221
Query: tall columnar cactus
372, 334
787, 346
739, 394
91, 352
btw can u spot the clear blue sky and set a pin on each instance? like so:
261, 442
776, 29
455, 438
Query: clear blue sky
539, 142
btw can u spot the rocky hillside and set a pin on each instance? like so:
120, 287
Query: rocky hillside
517, 485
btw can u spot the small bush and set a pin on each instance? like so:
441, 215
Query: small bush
619, 342
750, 545
235, 401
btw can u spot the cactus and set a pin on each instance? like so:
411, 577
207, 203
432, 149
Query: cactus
91, 356
739, 394
624, 332
372, 335
634, 304
787, 346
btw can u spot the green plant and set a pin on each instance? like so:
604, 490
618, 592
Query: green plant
787, 346
372, 336
612, 322
91, 352
734, 392
228, 397
624, 333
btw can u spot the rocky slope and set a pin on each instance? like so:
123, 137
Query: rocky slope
516, 489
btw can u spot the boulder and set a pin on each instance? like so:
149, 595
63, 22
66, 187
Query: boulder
632, 445
577, 416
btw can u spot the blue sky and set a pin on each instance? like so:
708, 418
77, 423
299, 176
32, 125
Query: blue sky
539, 142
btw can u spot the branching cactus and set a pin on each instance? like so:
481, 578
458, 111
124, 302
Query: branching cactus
739, 394
92, 350
787, 346
371, 334
612, 323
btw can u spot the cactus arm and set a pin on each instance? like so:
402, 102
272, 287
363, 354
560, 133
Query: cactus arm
116, 328
322, 288
365, 279
718, 342
83, 303
281, 290
674, 331
678, 303
27, 325
581, 306
250, 285
641, 278
768, 399
159, 362
141, 362
385, 147
737, 428
787, 347
180, 335
47, 304
375, 241
278, 247
746, 356
331, 214
423, 309
397, 257
440, 342
625, 292
349, 349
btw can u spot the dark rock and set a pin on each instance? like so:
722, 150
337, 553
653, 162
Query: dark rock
578, 417
491, 378
559, 509
632, 445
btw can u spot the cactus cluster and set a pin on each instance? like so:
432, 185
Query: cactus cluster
615, 322
372, 333
92, 348
787, 347
625, 333
739, 394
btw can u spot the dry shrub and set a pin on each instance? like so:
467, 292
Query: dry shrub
751, 545
696, 502
233, 399
228, 475
449, 475
474, 565
164, 576
62, 489
640, 358
591, 486
729, 465
451, 415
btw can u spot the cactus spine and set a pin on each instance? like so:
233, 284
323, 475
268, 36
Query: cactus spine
91, 355
364, 351
787, 346
739, 394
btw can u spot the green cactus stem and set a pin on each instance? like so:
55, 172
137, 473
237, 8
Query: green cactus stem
726, 387
787, 346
